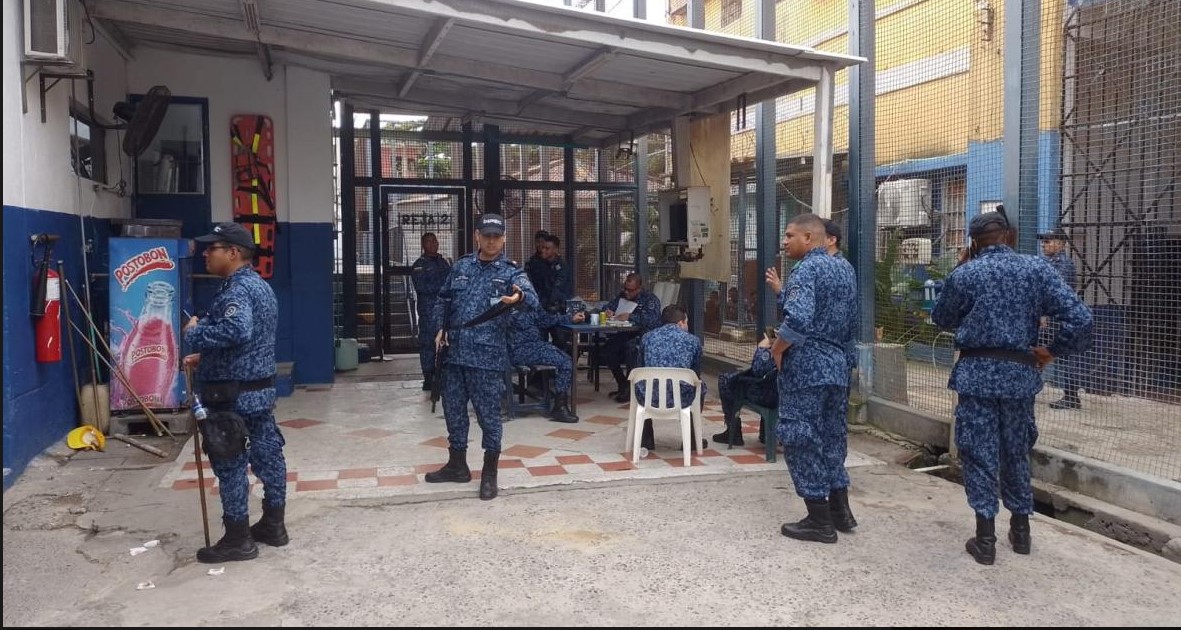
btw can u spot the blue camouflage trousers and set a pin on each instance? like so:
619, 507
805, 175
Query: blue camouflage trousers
484, 388
736, 386
995, 437
813, 431
545, 353
265, 456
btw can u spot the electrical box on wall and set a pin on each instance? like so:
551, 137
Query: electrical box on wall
684, 216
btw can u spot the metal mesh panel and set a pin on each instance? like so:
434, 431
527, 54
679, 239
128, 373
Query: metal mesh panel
1117, 109
585, 249
938, 145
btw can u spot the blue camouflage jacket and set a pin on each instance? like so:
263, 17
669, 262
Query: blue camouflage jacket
1062, 263
528, 324
236, 337
819, 307
647, 313
995, 301
471, 288
669, 346
429, 273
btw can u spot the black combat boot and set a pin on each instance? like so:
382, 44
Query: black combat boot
842, 515
235, 545
428, 380
455, 470
488, 475
270, 529
561, 411
1019, 535
816, 526
622, 391
983, 546
647, 436
1069, 400
735, 424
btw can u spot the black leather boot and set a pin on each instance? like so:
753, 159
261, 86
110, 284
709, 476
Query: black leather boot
235, 545
1019, 535
270, 529
647, 436
842, 515
428, 380
622, 391
983, 546
488, 487
816, 526
454, 470
724, 436
561, 411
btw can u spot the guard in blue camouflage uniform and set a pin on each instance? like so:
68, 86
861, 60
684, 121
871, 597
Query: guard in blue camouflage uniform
478, 355
1056, 252
428, 274
670, 346
995, 300
527, 347
235, 341
757, 384
819, 307
614, 352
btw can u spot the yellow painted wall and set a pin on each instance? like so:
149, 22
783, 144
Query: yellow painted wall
938, 117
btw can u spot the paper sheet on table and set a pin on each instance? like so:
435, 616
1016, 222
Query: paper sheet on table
625, 306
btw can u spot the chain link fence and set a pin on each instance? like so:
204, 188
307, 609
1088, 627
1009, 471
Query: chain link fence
1102, 126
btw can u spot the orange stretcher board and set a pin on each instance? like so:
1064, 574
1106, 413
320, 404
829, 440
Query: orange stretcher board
252, 160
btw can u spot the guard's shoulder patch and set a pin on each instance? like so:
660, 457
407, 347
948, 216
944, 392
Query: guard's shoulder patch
230, 310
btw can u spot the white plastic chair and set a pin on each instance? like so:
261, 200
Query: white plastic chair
657, 380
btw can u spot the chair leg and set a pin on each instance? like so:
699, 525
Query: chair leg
637, 435
769, 421
686, 437
697, 424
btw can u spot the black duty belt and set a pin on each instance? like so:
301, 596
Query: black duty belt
1016, 356
256, 385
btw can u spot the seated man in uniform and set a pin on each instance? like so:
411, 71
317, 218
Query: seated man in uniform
646, 315
527, 347
756, 384
670, 346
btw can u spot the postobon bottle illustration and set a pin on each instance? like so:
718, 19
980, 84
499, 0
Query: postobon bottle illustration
149, 354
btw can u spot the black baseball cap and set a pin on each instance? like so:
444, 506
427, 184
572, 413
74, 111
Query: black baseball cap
490, 224
229, 232
988, 221
1054, 235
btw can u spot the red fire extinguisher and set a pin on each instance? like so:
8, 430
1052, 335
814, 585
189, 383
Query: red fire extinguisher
49, 326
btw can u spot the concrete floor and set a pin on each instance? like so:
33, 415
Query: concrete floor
578, 536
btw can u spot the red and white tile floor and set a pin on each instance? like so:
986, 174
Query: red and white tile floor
378, 439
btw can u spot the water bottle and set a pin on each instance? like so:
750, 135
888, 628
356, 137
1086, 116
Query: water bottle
199, 411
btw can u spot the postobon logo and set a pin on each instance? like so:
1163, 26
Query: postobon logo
141, 264
147, 352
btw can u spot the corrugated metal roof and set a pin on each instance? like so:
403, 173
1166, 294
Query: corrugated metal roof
532, 68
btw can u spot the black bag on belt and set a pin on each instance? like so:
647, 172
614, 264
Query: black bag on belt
223, 430
224, 434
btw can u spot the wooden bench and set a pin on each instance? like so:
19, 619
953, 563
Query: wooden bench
518, 401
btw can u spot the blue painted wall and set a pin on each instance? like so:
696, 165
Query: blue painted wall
39, 401
985, 169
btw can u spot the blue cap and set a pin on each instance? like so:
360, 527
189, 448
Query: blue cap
490, 224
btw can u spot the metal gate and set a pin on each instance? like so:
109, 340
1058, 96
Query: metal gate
408, 213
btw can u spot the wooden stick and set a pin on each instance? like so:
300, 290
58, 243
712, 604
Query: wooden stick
140, 445
197, 451
116, 370
118, 373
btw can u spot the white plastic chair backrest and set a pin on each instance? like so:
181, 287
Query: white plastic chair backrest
656, 379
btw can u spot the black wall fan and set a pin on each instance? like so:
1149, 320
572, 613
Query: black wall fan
143, 119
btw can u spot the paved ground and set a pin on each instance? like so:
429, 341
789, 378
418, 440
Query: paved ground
570, 541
